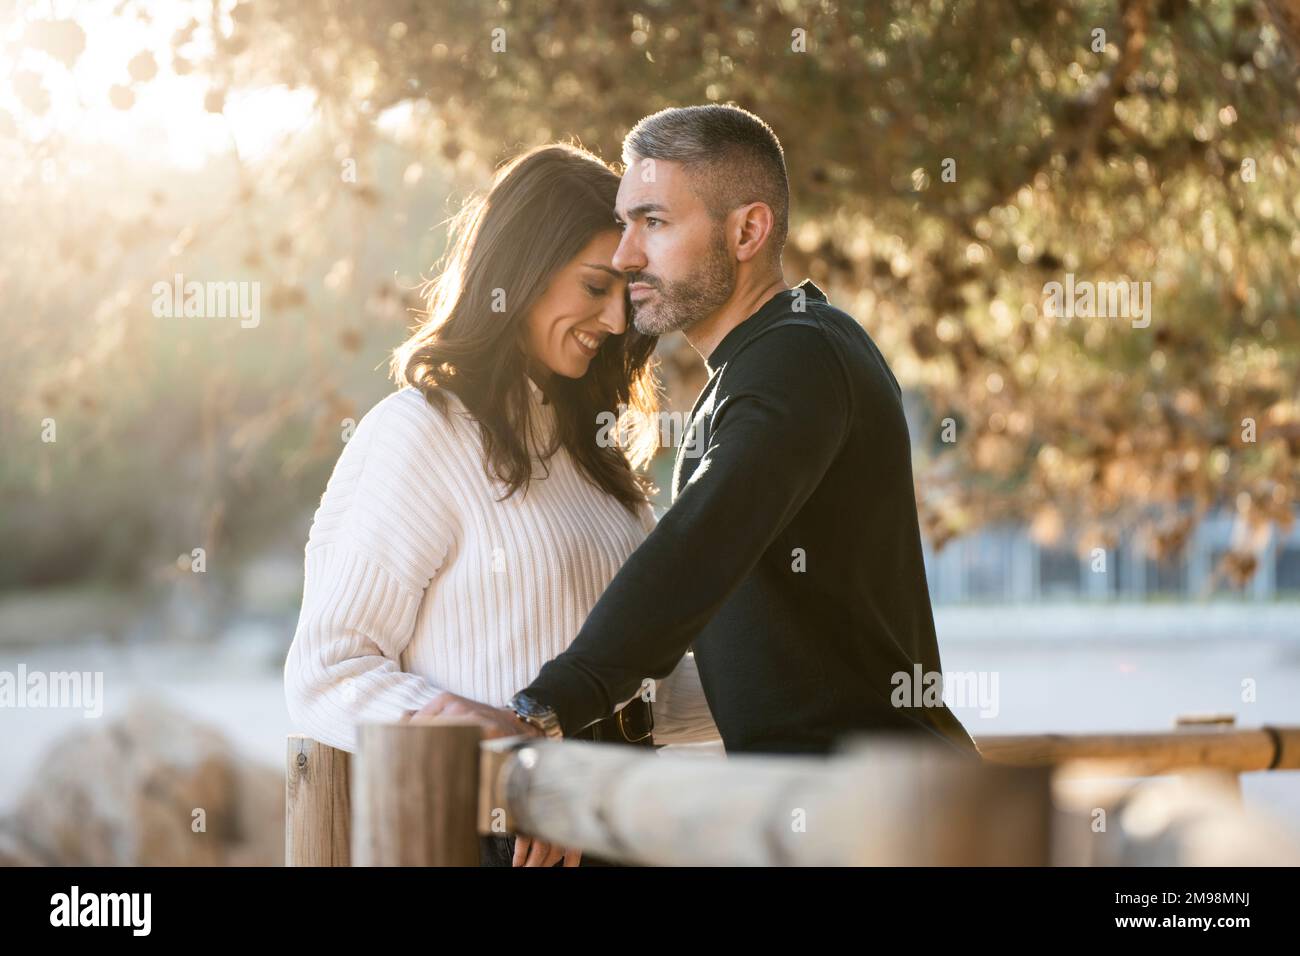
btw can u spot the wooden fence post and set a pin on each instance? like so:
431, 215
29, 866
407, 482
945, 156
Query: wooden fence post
948, 811
317, 806
415, 793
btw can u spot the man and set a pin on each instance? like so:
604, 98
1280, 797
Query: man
791, 557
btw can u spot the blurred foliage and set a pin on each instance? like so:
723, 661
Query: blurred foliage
1163, 150
175, 434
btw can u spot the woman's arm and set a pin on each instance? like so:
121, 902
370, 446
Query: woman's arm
377, 540
343, 666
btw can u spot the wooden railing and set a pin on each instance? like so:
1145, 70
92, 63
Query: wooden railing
421, 793
1209, 743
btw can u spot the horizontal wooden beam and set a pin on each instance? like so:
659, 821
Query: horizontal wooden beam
881, 802
1240, 750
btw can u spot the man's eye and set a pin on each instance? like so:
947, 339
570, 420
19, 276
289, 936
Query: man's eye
652, 221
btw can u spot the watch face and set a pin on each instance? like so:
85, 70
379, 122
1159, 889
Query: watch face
526, 706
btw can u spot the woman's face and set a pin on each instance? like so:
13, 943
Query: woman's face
580, 309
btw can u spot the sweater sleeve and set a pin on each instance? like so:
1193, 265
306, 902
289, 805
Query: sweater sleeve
377, 541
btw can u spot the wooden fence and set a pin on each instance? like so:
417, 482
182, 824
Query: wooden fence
421, 793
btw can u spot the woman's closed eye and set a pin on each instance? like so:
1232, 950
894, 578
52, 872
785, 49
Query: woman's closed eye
596, 291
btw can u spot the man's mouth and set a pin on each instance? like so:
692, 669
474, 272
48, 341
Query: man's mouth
639, 290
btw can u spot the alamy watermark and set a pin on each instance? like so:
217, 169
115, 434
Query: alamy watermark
673, 429
54, 690
75, 908
954, 688
208, 300
1091, 300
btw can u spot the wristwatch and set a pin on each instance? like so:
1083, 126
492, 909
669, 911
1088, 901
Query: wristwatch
533, 712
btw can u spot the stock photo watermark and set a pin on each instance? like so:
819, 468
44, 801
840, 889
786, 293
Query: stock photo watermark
1084, 299
208, 300
672, 427
955, 689
75, 908
53, 690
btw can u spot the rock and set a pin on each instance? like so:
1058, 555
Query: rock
153, 788
1194, 819
14, 851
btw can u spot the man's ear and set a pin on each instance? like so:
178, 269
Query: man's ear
753, 227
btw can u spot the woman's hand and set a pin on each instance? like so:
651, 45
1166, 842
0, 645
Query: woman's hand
495, 721
530, 852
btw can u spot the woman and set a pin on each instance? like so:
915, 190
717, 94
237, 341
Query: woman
474, 518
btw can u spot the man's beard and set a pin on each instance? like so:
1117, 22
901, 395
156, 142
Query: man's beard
679, 305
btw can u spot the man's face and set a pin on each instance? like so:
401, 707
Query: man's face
675, 254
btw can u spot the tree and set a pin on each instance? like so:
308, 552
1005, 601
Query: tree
949, 162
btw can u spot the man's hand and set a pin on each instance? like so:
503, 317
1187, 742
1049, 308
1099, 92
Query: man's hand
495, 721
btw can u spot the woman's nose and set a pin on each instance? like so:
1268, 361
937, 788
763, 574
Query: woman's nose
614, 315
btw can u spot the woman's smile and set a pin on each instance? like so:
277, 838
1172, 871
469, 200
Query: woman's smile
588, 342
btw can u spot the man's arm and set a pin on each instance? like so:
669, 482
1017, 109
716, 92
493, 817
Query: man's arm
781, 420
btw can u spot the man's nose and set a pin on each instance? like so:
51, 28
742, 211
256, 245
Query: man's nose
628, 256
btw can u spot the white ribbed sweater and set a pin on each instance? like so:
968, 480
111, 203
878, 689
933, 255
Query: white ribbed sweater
418, 580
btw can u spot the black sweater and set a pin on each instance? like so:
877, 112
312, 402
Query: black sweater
791, 556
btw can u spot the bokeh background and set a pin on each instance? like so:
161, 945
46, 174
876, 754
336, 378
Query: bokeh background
1109, 510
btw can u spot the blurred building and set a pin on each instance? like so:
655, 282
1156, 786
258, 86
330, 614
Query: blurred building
1002, 563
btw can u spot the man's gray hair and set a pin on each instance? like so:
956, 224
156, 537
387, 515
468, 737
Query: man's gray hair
733, 156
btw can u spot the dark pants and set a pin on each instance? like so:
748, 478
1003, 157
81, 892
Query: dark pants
500, 851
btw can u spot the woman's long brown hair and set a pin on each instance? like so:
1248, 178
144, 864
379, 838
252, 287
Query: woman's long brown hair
542, 209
